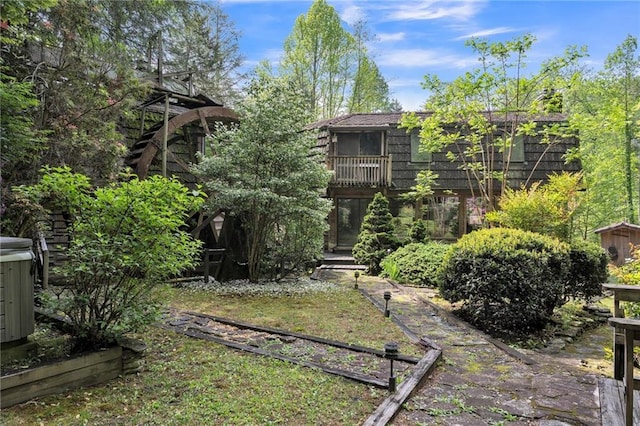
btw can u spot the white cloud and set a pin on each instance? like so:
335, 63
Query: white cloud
411, 58
487, 32
273, 55
352, 14
386, 37
429, 10
411, 99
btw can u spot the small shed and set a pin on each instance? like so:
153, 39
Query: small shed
617, 240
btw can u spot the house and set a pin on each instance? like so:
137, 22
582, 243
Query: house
369, 153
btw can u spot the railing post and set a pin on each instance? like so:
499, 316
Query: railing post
360, 170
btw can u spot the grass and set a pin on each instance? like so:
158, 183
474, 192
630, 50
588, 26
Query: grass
188, 381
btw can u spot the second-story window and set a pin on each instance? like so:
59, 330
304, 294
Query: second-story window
418, 156
517, 148
356, 144
517, 151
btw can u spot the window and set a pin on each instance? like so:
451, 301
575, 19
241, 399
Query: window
418, 156
364, 143
517, 150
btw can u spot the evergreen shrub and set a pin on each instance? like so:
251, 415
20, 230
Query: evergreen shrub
508, 280
377, 237
418, 232
415, 263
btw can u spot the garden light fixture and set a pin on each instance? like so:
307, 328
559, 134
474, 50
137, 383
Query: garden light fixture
387, 297
391, 352
356, 274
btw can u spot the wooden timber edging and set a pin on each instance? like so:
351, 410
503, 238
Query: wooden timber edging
461, 323
329, 342
406, 330
389, 408
84, 370
361, 378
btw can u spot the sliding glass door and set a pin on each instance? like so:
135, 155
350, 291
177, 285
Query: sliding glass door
351, 211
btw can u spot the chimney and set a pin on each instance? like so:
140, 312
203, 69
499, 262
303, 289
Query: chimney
550, 100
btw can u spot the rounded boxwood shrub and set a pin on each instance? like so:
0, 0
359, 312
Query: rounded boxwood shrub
415, 263
589, 269
508, 280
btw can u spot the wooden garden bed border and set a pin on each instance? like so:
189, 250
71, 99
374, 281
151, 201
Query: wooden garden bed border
358, 377
361, 378
335, 343
390, 406
83, 370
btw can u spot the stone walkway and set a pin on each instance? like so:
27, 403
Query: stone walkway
478, 383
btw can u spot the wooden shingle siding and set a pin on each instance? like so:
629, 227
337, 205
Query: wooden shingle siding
531, 163
451, 177
403, 171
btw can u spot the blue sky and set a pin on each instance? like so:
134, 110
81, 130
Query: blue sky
415, 38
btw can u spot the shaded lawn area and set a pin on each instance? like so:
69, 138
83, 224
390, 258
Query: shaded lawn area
188, 381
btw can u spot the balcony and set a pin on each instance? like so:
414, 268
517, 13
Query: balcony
361, 170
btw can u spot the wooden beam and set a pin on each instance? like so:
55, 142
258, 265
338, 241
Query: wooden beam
155, 142
165, 133
203, 223
329, 342
389, 408
362, 378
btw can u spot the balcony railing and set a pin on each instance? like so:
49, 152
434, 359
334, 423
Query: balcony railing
361, 170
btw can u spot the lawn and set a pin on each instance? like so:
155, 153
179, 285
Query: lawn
188, 381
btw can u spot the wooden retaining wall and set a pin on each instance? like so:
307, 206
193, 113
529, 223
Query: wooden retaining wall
83, 370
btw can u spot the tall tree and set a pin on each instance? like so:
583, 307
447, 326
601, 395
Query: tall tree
498, 91
264, 172
624, 66
369, 89
205, 43
20, 142
604, 109
72, 78
331, 65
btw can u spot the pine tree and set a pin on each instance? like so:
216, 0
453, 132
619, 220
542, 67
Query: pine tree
376, 239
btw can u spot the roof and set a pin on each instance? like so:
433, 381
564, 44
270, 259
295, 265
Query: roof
379, 120
615, 226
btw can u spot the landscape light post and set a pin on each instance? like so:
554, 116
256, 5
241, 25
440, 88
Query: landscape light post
356, 274
387, 297
391, 352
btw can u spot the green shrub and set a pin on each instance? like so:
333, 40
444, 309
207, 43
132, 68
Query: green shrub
390, 269
126, 239
547, 208
418, 232
508, 280
629, 274
377, 238
415, 263
589, 269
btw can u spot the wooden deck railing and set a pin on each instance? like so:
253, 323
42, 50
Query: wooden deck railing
361, 170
